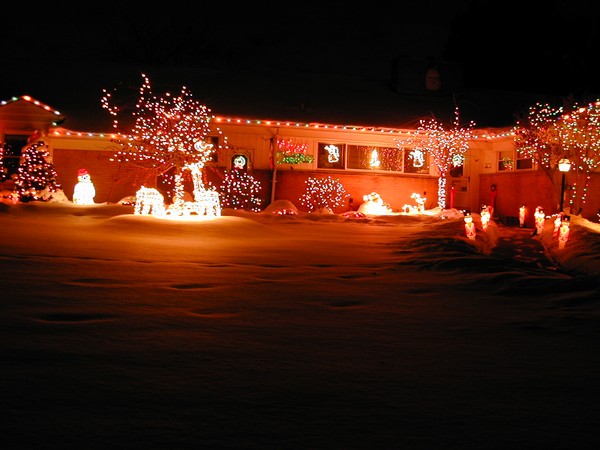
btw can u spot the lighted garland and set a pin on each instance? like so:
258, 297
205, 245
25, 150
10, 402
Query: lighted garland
293, 153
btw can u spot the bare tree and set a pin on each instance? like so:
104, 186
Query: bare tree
169, 135
446, 147
548, 134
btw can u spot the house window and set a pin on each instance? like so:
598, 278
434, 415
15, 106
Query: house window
13, 145
374, 158
524, 163
331, 156
416, 161
505, 161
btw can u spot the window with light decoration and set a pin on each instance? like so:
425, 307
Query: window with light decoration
331, 156
374, 158
416, 161
506, 161
239, 161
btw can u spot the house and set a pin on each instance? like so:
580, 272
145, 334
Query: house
373, 156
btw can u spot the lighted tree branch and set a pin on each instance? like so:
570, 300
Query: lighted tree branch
548, 134
169, 135
446, 147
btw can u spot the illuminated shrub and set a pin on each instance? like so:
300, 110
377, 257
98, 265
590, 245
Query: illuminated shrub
323, 194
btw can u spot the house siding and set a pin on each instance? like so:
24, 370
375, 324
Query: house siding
112, 181
532, 189
394, 190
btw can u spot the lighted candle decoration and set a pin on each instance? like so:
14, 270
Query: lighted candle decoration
522, 215
540, 218
563, 233
470, 227
485, 217
84, 191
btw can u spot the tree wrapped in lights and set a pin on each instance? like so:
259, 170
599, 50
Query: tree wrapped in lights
239, 190
547, 134
169, 136
537, 138
323, 194
36, 176
445, 146
579, 133
3, 169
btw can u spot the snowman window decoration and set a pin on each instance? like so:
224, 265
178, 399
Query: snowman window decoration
84, 190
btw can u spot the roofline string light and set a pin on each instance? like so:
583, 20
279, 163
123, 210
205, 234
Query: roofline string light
31, 100
485, 135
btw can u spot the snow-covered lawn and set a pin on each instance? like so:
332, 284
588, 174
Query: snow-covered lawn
294, 331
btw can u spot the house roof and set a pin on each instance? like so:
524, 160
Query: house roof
305, 97
25, 113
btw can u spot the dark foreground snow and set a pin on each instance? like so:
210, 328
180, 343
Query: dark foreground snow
265, 331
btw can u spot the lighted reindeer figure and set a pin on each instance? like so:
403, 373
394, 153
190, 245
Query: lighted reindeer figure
206, 202
419, 209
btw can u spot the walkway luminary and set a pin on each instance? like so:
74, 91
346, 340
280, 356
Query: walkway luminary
563, 233
485, 217
522, 214
557, 223
540, 218
470, 230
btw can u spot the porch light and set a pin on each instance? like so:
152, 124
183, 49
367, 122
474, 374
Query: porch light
564, 165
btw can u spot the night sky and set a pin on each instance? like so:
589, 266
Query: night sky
547, 48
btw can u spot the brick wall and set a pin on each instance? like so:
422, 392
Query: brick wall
395, 190
115, 181
112, 181
532, 189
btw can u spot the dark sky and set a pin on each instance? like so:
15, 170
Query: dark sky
549, 47
551, 44
308, 35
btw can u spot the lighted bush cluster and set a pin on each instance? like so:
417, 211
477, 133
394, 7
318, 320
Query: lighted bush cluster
239, 190
323, 194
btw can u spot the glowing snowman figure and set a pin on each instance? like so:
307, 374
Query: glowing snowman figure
84, 192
